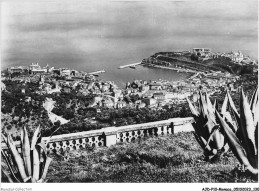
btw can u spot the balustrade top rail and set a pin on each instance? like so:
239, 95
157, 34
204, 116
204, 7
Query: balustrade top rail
172, 121
112, 130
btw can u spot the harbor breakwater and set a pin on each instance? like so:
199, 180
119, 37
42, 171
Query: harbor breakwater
171, 68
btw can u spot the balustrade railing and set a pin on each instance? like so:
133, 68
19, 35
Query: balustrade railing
111, 135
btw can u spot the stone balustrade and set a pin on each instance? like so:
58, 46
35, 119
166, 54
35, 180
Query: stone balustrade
111, 135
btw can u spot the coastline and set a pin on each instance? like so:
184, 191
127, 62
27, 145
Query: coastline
192, 72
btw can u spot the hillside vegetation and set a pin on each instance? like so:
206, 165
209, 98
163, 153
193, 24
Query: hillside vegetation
175, 158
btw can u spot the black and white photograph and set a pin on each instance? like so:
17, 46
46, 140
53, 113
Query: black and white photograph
129, 95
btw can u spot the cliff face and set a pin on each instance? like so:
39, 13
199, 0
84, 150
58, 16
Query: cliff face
193, 61
229, 66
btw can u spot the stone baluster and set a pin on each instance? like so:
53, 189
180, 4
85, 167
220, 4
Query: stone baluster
164, 130
171, 128
71, 145
159, 131
58, 146
77, 144
83, 143
64, 145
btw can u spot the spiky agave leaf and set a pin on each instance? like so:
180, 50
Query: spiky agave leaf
214, 104
17, 158
211, 134
235, 113
47, 161
256, 139
45, 170
217, 138
235, 145
246, 118
194, 111
256, 115
22, 136
232, 105
206, 116
254, 106
225, 148
224, 105
36, 166
211, 109
208, 151
254, 99
248, 129
9, 166
7, 175
203, 105
35, 137
210, 124
42, 155
199, 128
230, 122
199, 140
4, 138
200, 121
26, 151
10, 161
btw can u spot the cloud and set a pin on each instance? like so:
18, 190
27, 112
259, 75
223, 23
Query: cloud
88, 32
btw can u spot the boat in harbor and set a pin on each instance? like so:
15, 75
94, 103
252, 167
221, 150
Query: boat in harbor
132, 67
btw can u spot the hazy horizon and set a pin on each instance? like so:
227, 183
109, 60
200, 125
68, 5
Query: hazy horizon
91, 35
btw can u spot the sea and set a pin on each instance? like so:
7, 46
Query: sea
91, 35
121, 76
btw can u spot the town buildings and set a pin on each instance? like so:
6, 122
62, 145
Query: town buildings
18, 69
139, 93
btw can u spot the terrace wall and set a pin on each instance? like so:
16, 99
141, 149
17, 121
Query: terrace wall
111, 135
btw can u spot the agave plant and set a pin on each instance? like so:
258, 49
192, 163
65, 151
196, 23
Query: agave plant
207, 132
242, 135
31, 163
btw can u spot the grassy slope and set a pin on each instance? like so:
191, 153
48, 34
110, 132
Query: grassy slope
176, 158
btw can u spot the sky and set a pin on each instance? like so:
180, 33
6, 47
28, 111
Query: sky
91, 35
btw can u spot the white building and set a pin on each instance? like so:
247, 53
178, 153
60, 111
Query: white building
202, 51
65, 72
34, 66
237, 56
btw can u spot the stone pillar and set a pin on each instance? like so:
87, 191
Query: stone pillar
187, 127
110, 136
110, 140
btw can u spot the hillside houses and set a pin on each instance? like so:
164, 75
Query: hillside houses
137, 94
